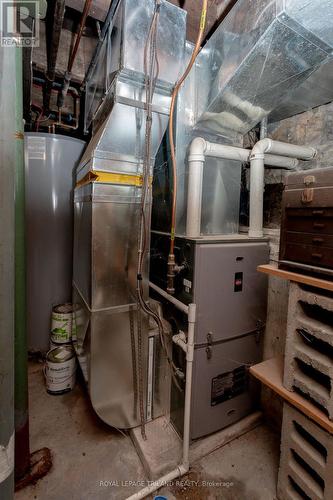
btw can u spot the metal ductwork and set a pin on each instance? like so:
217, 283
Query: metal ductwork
267, 57
261, 53
107, 205
315, 91
222, 178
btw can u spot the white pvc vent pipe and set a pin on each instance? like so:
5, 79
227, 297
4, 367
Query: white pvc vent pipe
199, 149
258, 158
188, 348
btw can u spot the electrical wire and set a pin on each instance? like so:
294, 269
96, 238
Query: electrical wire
172, 110
151, 69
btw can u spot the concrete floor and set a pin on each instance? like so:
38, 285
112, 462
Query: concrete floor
92, 461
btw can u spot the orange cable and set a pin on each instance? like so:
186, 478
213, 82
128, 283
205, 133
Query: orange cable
172, 109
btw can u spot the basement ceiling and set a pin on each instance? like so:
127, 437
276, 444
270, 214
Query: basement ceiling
98, 9
216, 9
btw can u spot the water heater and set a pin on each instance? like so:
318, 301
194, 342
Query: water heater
50, 160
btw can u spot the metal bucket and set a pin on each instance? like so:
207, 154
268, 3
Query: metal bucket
61, 323
60, 370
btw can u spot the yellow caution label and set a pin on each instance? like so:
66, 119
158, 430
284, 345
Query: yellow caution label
112, 178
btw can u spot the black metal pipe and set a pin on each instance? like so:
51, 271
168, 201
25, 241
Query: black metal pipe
58, 18
68, 74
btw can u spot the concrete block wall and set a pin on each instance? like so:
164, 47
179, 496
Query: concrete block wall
309, 346
306, 461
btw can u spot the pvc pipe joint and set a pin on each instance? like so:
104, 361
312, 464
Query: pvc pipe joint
257, 158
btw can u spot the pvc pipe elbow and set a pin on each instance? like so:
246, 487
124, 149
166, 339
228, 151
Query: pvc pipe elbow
260, 148
197, 150
285, 149
183, 468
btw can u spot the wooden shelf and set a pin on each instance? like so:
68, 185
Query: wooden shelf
270, 373
296, 277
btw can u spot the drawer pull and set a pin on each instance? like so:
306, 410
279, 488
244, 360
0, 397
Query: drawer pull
318, 212
317, 240
318, 225
317, 256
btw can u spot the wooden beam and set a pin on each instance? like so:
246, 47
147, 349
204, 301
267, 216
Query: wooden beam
193, 8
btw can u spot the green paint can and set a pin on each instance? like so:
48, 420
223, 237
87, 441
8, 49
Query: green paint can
61, 324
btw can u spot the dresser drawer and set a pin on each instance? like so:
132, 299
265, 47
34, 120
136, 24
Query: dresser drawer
309, 220
309, 254
310, 239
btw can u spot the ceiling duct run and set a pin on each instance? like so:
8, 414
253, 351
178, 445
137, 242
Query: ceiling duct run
262, 52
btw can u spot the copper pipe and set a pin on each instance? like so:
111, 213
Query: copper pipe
171, 258
68, 73
85, 13
172, 110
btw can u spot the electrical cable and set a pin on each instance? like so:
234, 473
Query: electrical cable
151, 69
134, 363
149, 96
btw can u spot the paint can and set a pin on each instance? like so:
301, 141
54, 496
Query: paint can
61, 323
53, 345
60, 369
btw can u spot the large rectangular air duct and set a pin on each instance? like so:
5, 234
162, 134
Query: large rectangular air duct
261, 52
107, 204
266, 57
